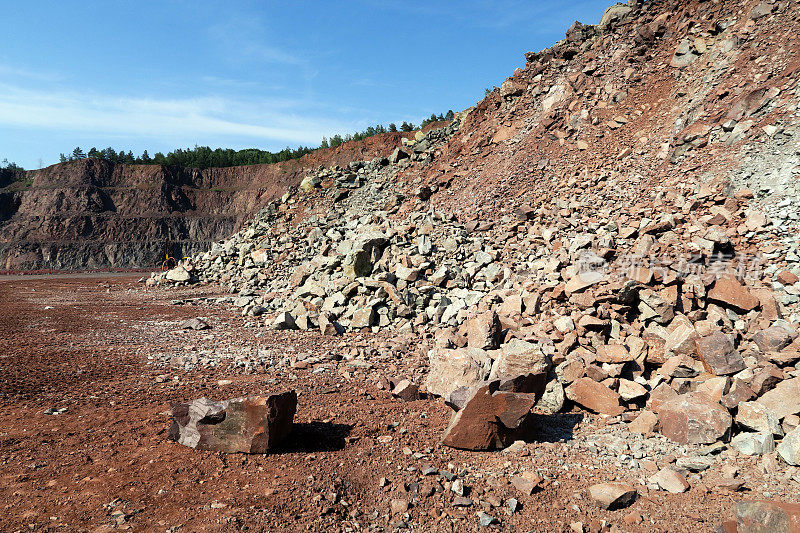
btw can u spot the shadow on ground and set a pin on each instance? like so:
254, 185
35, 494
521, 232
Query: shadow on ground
315, 437
552, 428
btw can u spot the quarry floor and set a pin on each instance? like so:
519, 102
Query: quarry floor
87, 344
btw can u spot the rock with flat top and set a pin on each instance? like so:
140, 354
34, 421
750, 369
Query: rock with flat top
243, 425
784, 399
611, 496
728, 292
594, 396
694, 419
451, 369
718, 354
670, 481
490, 419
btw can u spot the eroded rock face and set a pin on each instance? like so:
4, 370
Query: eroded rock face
244, 425
489, 419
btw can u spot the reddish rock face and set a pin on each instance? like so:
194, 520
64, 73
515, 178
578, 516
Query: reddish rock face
787, 278
483, 331
729, 292
784, 399
718, 354
490, 419
773, 339
594, 396
694, 419
245, 425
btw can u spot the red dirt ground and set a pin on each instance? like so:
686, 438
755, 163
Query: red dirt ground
106, 463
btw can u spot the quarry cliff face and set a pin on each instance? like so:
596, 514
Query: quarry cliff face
91, 213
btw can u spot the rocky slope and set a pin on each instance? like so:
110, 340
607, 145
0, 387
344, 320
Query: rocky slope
94, 214
613, 230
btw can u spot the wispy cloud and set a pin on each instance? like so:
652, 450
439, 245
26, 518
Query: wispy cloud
175, 120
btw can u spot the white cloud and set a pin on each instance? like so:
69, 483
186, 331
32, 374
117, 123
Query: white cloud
180, 121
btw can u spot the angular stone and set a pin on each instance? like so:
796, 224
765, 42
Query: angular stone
767, 517
178, 274
784, 399
773, 339
718, 354
490, 419
739, 392
242, 425
645, 423
526, 483
786, 278
630, 390
755, 417
594, 396
727, 291
328, 325
660, 395
483, 331
753, 443
195, 324
613, 353
681, 340
670, 481
694, 419
451, 369
406, 390
284, 321
789, 447
612, 496
520, 357
363, 318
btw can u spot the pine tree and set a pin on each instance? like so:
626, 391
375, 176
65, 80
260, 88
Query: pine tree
62, 158
146, 158
392, 127
450, 115
77, 153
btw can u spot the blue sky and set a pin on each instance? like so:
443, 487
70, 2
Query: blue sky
159, 75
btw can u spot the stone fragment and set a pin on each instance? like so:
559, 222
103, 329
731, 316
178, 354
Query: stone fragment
694, 419
659, 396
645, 423
718, 354
773, 339
363, 318
284, 321
520, 357
406, 390
670, 481
789, 447
483, 331
727, 291
767, 517
195, 324
612, 496
613, 353
451, 369
630, 390
526, 483
490, 419
594, 396
786, 278
753, 443
178, 274
784, 399
755, 417
243, 425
